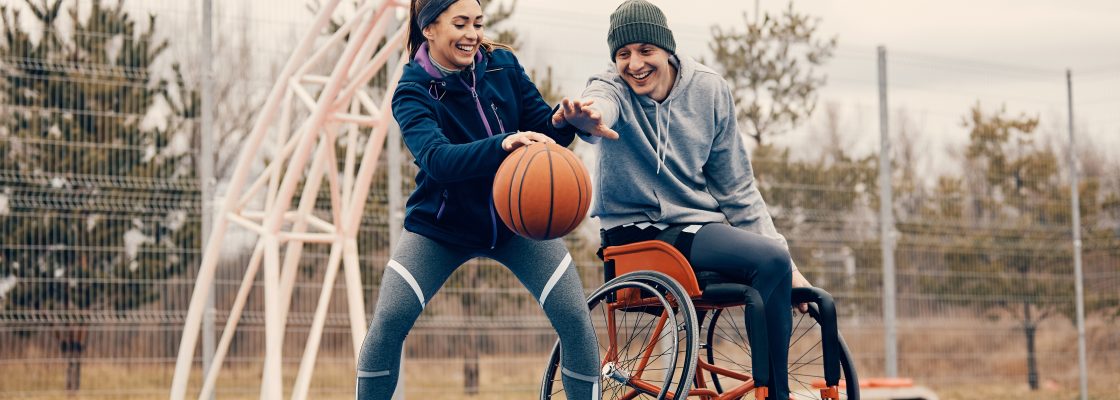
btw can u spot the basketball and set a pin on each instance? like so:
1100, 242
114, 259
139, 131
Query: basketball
542, 191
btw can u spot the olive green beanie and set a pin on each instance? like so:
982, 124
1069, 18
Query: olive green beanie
638, 21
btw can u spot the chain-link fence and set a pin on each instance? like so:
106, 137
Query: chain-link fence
100, 218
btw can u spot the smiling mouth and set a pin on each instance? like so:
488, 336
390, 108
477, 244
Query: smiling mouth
463, 48
641, 76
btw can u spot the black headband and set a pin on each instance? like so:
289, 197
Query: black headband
433, 9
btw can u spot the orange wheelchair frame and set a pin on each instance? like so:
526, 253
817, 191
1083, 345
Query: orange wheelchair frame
660, 266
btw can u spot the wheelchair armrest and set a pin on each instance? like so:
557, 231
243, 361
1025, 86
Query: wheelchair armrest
825, 308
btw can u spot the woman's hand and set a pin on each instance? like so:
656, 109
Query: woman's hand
800, 281
579, 114
512, 142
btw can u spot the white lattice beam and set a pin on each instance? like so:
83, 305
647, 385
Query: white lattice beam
338, 103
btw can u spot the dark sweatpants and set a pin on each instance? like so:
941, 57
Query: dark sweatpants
765, 265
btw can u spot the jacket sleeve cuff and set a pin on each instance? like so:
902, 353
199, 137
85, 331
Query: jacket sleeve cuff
498, 140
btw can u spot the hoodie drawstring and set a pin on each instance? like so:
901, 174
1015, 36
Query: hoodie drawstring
661, 153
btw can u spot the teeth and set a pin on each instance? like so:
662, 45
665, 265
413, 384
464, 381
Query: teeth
641, 76
465, 48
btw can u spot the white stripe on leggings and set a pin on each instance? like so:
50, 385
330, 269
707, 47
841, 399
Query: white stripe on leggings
575, 375
555, 277
372, 374
396, 266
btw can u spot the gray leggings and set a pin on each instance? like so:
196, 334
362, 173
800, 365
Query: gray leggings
420, 266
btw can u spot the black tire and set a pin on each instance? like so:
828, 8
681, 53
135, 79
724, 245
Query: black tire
634, 327
726, 345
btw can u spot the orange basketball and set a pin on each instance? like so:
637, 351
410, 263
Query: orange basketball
542, 191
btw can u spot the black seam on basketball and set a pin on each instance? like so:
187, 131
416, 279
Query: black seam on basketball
551, 193
509, 198
579, 194
520, 215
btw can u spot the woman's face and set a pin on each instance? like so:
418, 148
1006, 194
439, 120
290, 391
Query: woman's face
454, 37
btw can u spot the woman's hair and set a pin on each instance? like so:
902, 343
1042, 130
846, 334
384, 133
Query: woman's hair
416, 32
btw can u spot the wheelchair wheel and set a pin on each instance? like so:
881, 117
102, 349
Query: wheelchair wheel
726, 346
648, 337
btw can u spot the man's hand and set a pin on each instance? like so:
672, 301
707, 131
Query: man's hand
582, 116
800, 281
512, 142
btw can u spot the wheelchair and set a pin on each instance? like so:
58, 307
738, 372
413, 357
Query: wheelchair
666, 332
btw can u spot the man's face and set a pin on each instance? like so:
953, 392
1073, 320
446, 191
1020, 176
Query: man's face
646, 69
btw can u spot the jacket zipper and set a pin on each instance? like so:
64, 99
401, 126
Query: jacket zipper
489, 133
498, 117
442, 204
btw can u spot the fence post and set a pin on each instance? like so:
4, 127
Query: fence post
1079, 286
886, 224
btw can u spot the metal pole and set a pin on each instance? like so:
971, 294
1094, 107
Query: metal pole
396, 197
1077, 272
206, 174
886, 224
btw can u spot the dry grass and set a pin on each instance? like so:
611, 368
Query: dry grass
1018, 392
961, 359
502, 379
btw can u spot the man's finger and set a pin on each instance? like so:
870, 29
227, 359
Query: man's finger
558, 119
604, 131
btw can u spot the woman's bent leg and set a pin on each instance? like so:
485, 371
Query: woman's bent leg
547, 271
418, 268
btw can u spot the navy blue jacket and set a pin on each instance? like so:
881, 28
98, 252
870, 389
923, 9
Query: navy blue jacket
455, 134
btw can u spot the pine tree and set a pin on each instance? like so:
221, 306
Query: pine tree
96, 173
771, 68
1007, 228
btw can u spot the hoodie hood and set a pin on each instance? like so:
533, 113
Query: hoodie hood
663, 111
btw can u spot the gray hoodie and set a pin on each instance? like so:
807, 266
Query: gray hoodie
679, 161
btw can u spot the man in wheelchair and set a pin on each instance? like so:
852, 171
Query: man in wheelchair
676, 169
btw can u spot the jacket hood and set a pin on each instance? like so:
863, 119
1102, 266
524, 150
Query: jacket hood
421, 70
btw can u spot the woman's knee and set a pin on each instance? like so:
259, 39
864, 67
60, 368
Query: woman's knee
392, 320
569, 315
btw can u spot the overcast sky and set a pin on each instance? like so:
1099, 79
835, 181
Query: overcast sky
943, 56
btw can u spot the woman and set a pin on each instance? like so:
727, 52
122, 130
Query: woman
463, 103
678, 170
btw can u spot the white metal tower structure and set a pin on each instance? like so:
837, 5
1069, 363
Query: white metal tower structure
339, 103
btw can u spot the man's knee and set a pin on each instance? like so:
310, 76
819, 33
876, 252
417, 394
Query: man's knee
776, 263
